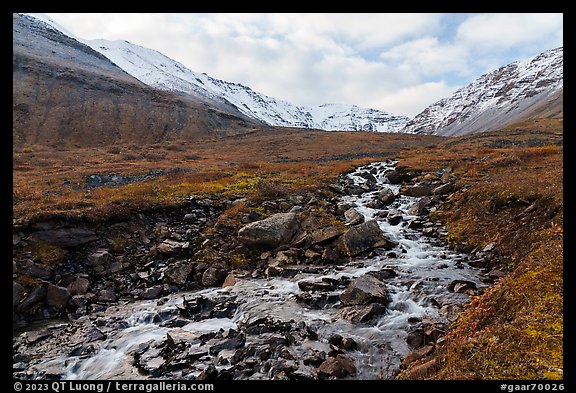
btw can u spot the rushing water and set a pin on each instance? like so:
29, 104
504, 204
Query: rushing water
423, 266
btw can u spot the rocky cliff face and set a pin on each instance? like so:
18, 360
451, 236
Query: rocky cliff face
509, 94
65, 93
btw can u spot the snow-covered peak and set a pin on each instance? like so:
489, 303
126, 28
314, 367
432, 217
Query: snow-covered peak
493, 99
157, 70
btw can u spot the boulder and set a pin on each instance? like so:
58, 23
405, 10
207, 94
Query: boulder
79, 286
461, 286
169, 246
229, 281
214, 277
353, 217
323, 234
178, 273
365, 290
386, 196
416, 190
57, 296
443, 189
101, 257
362, 237
18, 292
271, 232
151, 293
418, 208
65, 237
360, 314
336, 367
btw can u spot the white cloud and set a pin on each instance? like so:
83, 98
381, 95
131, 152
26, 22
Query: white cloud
498, 32
395, 62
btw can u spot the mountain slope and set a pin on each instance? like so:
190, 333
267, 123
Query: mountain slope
510, 94
158, 70
65, 93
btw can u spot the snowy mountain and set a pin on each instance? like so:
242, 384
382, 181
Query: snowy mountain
157, 70
495, 99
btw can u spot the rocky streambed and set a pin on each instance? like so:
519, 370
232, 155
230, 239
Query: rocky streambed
319, 302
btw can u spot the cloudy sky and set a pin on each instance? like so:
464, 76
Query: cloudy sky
399, 63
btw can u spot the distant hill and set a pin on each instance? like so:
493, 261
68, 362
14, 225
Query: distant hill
65, 93
513, 93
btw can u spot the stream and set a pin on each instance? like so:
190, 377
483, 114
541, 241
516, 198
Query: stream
262, 328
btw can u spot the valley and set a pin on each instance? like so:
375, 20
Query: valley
156, 227
170, 225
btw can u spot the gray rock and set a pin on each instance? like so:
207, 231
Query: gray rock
101, 257
386, 196
361, 314
353, 217
461, 286
18, 292
416, 190
271, 232
37, 295
171, 246
57, 296
418, 208
323, 234
363, 237
65, 237
214, 277
178, 273
443, 189
106, 296
337, 367
151, 293
365, 290
79, 286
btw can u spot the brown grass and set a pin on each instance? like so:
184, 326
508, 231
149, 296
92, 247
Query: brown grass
513, 197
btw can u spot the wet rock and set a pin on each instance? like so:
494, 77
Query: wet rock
362, 237
361, 314
65, 237
18, 292
314, 358
271, 232
234, 342
417, 354
36, 335
383, 274
316, 285
399, 175
151, 293
94, 334
57, 296
214, 277
229, 281
386, 196
336, 367
461, 286
394, 217
365, 290
353, 217
342, 342
277, 271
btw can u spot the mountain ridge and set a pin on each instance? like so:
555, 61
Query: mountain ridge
495, 99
